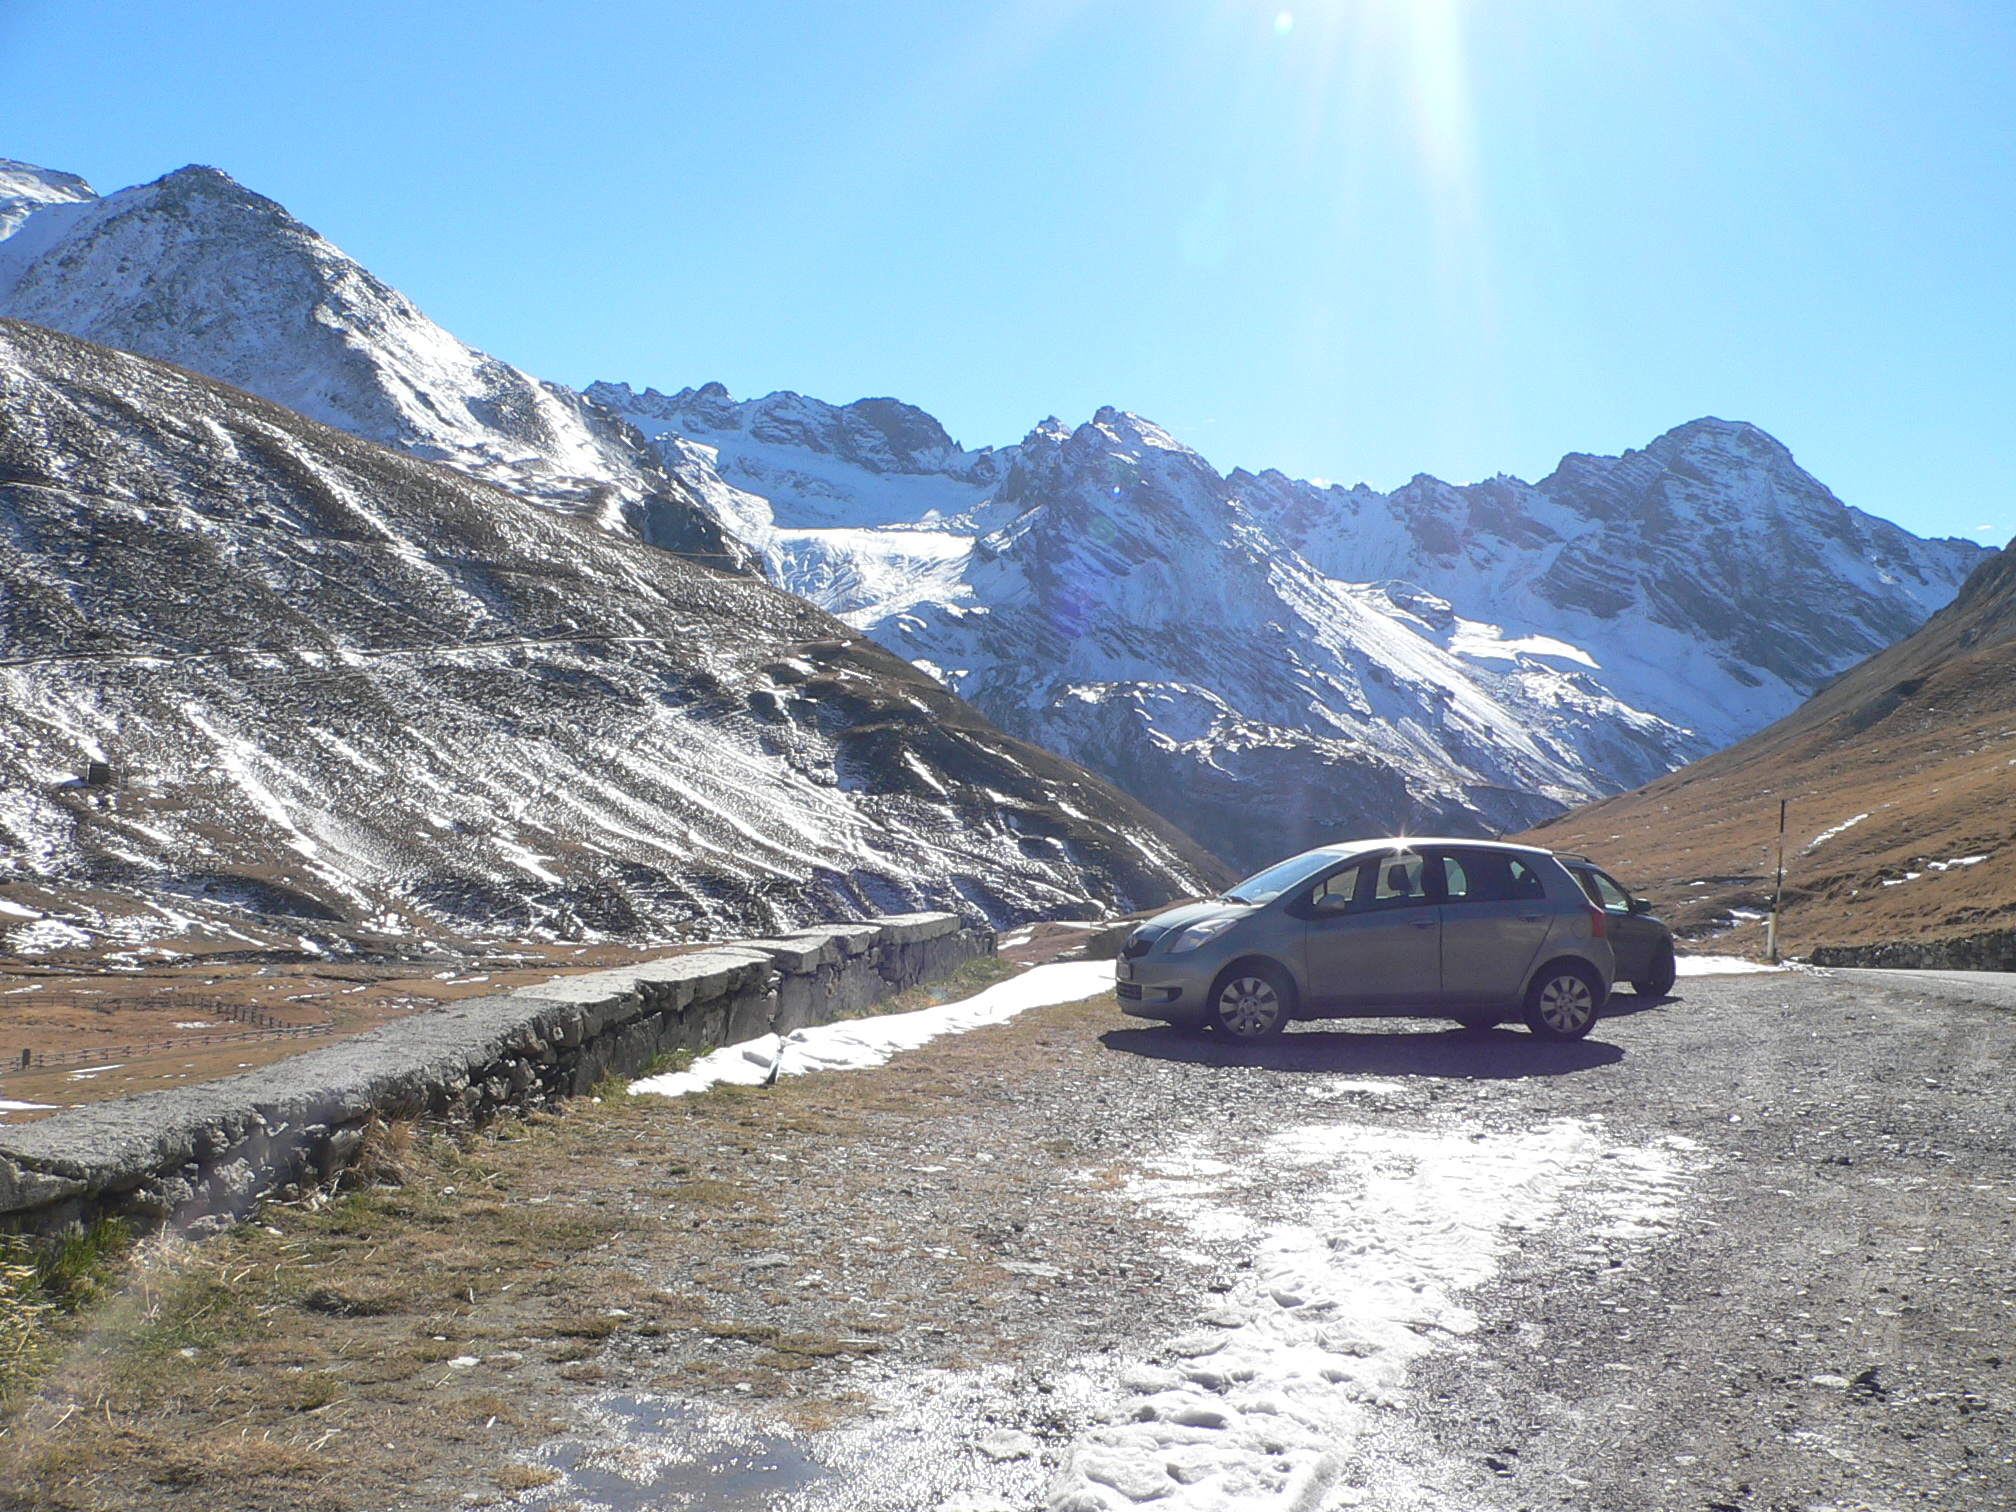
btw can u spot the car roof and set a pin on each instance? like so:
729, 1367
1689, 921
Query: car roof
1415, 842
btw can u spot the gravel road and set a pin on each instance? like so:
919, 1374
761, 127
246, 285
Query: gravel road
1746, 1247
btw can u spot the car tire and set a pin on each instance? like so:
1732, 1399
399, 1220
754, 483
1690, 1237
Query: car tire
1477, 1023
1564, 1001
1251, 1003
1658, 981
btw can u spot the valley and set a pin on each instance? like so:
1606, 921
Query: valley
581, 928
1901, 809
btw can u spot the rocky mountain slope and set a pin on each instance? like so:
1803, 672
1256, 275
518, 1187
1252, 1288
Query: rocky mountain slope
1715, 580
198, 270
1268, 662
344, 687
1274, 663
1900, 782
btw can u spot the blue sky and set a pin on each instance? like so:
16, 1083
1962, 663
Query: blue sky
1353, 239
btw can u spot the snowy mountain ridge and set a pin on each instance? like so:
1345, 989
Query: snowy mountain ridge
198, 270
1713, 578
870, 463
1328, 659
1332, 659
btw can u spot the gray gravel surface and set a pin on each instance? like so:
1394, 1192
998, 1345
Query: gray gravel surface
1836, 1324
1824, 1322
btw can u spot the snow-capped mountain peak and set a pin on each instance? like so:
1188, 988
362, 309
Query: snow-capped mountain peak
872, 462
1274, 662
24, 189
199, 270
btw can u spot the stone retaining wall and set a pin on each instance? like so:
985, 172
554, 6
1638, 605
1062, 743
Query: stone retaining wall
200, 1156
1995, 951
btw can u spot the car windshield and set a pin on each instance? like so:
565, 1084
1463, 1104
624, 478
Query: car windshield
1266, 886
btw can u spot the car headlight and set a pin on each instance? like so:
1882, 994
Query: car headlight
1197, 934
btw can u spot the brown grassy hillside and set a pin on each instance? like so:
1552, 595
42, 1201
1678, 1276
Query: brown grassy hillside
1920, 739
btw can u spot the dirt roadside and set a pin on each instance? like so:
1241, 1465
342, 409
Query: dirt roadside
1828, 1326
96, 1028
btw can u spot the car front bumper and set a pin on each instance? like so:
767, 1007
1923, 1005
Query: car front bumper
1163, 987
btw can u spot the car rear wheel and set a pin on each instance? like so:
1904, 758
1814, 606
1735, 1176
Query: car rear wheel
1564, 1001
1659, 978
1250, 1003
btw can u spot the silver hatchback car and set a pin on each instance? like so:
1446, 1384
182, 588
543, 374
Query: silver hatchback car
1474, 930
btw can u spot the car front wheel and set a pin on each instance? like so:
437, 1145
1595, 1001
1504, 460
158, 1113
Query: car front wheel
1563, 1002
1250, 1003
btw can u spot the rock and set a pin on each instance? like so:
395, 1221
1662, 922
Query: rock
23, 1187
1006, 1444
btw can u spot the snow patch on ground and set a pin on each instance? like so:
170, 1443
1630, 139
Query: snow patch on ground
1344, 1086
857, 1043
45, 935
1719, 965
1356, 1249
1262, 1404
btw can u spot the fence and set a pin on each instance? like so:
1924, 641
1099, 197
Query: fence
33, 1058
260, 1025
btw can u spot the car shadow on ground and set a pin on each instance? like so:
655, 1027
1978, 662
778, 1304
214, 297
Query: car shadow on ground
1624, 1004
1495, 1054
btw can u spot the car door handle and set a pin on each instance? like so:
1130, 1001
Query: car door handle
1533, 918
1426, 923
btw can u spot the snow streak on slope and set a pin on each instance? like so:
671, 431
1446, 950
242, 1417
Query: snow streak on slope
349, 687
198, 270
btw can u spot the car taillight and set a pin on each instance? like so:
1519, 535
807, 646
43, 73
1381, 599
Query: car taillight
1598, 927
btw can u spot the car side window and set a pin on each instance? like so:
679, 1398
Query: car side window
1394, 882
1477, 877
1339, 888
1612, 897
1526, 883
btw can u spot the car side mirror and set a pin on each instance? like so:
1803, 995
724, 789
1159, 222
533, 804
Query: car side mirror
1641, 905
1331, 903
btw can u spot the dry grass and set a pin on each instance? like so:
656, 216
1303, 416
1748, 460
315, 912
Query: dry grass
1921, 740
515, 1478
630, 1244
386, 1156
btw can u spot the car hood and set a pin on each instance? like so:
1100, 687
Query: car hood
1188, 913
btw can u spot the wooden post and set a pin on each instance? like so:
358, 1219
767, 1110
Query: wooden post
1778, 893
